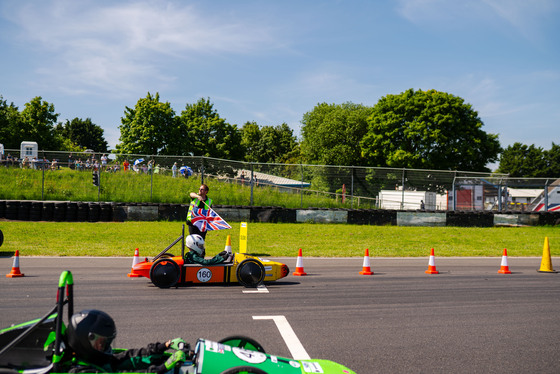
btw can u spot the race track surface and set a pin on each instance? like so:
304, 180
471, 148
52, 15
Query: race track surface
466, 319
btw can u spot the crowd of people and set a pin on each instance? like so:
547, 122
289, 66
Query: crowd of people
30, 163
88, 163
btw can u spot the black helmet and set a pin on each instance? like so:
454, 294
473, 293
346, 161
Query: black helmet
90, 334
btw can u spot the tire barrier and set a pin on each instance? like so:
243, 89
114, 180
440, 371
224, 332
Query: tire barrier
59, 213
72, 211
272, 214
23, 210
470, 219
48, 212
173, 212
12, 210
119, 212
36, 212
106, 212
83, 212
94, 212
2, 208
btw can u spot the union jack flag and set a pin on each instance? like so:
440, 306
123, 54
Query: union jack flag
208, 219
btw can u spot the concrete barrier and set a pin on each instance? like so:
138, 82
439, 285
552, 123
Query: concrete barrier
322, 216
421, 219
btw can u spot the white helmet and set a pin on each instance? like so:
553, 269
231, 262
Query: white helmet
195, 243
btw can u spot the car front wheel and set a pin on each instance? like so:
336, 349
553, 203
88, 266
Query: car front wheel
250, 273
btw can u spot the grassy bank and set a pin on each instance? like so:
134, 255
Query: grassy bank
276, 240
72, 185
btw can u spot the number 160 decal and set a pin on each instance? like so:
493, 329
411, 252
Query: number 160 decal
204, 275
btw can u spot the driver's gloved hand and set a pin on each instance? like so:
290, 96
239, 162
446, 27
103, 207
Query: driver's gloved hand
176, 359
225, 255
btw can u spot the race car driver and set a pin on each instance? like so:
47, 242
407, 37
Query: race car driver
90, 334
196, 252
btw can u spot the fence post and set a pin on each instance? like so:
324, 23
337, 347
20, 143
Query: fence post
202, 170
453, 194
43, 181
301, 189
402, 195
352, 189
151, 170
252, 182
546, 196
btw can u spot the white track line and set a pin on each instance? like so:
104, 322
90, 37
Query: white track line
290, 337
260, 289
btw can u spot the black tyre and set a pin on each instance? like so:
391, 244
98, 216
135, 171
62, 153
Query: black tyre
244, 342
1, 238
165, 273
250, 273
243, 370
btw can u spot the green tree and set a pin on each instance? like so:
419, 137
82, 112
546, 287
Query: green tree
148, 128
203, 133
331, 134
529, 161
37, 124
83, 134
269, 144
10, 122
428, 130
552, 157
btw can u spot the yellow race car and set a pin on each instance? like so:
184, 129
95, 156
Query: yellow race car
167, 271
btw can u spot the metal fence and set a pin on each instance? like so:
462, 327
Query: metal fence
288, 185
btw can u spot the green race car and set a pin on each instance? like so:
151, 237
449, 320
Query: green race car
40, 346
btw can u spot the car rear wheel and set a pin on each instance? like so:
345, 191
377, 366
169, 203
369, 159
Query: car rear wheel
165, 273
1, 238
250, 273
243, 370
244, 342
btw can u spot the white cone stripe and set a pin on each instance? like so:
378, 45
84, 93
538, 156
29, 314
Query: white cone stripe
136, 258
16, 262
366, 261
431, 262
504, 261
299, 262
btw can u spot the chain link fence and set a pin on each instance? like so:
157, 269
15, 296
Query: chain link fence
153, 178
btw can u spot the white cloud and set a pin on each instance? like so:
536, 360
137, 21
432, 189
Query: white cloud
525, 17
118, 47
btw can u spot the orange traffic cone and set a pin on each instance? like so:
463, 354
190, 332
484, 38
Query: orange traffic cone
504, 268
299, 265
15, 268
432, 264
366, 269
135, 260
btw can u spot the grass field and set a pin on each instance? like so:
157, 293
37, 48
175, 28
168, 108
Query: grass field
276, 239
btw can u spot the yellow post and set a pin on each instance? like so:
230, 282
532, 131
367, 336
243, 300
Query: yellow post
546, 263
243, 238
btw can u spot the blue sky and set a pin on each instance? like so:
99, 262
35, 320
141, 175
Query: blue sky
273, 61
